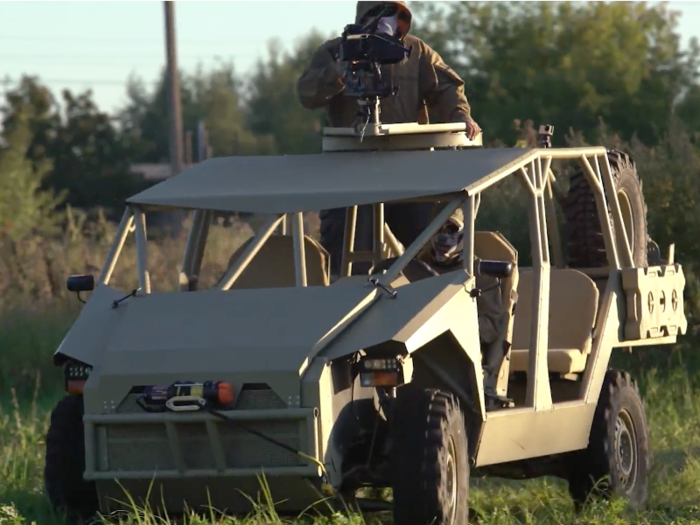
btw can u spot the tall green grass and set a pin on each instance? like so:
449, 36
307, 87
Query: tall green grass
31, 386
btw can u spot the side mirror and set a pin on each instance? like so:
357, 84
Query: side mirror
81, 283
497, 269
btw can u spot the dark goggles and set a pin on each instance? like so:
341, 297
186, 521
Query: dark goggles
387, 9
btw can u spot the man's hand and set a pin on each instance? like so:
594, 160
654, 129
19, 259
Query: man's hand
473, 129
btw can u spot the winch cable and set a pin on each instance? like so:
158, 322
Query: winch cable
273, 441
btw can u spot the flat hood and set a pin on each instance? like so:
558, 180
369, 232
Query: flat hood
240, 336
246, 336
365, 7
261, 329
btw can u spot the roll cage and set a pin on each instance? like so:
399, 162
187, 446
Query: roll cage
534, 173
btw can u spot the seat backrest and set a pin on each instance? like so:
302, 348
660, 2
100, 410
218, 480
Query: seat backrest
573, 308
273, 265
494, 246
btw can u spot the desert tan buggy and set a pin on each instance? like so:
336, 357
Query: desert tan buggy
379, 380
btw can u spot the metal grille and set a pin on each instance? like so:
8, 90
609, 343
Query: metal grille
129, 406
259, 399
248, 451
146, 447
135, 447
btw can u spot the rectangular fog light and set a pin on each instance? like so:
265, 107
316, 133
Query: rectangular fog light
380, 372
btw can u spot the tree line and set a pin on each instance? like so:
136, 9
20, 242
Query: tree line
573, 65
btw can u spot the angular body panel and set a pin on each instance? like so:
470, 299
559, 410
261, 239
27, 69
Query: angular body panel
654, 302
402, 319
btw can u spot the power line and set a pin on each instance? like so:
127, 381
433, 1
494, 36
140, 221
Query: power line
63, 57
44, 62
120, 41
78, 81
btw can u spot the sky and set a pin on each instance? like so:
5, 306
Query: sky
98, 44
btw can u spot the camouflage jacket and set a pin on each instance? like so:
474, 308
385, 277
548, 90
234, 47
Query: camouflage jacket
425, 83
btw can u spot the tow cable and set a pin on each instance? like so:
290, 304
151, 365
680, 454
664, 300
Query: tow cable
190, 403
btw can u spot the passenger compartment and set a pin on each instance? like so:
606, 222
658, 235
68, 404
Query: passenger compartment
573, 310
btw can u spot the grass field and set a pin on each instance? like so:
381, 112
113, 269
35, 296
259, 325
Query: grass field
31, 386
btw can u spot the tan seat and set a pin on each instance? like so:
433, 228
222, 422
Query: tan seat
273, 265
572, 313
494, 246
495, 310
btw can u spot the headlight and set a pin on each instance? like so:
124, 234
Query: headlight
380, 372
75, 375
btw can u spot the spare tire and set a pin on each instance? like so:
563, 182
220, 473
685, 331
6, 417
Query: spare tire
584, 236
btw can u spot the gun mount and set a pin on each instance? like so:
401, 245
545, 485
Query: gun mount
408, 136
364, 51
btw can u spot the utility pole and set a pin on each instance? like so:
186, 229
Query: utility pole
174, 105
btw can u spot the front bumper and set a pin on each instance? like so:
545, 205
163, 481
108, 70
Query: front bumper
191, 445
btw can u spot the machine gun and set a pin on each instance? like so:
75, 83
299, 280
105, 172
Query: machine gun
364, 51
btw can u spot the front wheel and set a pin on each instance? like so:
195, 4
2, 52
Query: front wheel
65, 487
618, 459
430, 466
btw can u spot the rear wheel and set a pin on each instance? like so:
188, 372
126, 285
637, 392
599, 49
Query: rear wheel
430, 467
584, 234
65, 462
617, 460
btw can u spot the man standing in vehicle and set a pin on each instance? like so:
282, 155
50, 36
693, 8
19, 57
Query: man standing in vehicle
425, 83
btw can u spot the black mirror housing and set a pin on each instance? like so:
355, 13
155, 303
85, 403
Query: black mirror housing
81, 283
497, 269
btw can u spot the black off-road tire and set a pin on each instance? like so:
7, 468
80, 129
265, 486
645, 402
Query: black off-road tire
584, 235
429, 457
68, 493
617, 461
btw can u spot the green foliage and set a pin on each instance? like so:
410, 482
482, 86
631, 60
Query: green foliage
566, 63
212, 96
90, 159
273, 107
25, 209
30, 95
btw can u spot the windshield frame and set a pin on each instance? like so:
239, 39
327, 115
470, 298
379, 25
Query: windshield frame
384, 244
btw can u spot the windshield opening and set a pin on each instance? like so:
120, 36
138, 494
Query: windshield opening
218, 252
198, 258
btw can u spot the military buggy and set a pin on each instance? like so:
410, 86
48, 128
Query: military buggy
326, 385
